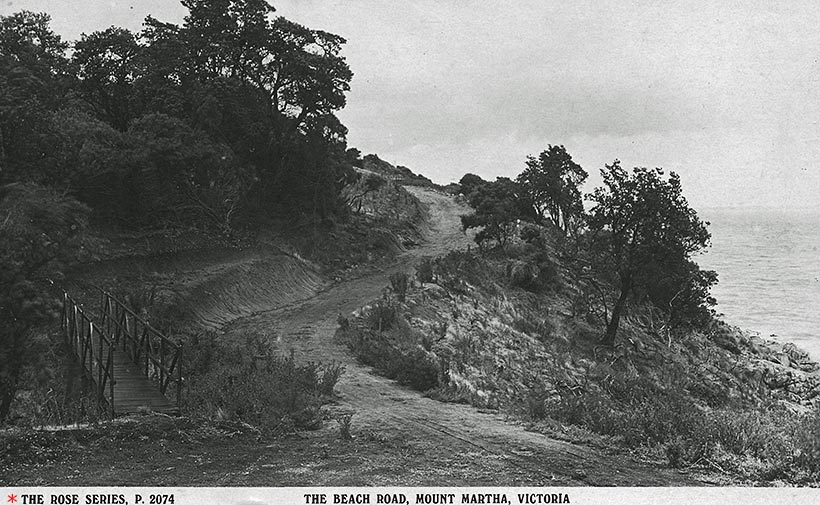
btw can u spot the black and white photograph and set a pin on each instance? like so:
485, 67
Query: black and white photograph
367, 247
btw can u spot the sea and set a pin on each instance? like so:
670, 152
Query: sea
768, 264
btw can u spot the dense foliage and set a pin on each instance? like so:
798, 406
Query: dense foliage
499, 205
39, 232
214, 123
645, 232
552, 181
638, 236
229, 114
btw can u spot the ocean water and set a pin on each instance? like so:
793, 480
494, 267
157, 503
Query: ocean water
768, 264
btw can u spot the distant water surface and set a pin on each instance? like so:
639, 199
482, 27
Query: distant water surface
768, 264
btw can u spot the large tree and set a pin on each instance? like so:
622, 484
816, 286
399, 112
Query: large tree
299, 72
643, 225
552, 181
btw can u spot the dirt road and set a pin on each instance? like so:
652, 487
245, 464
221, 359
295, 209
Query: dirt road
457, 444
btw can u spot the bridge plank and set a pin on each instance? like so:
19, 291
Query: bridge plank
133, 391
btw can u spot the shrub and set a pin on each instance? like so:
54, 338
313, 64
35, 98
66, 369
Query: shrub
534, 274
40, 234
523, 275
382, 316
329, 378
249, 382
416, 368
807, 444
424, 271
398, 281
531, 234
344, 421
387, 343
537, 403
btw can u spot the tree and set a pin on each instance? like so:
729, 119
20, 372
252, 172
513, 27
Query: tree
39, 232
552, 181
299, 71
33, 82
174, 172
498, 206
274, 86
643, 225
365, 185
108, 64
256, 93
470, 183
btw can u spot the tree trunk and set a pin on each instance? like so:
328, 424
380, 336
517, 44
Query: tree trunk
615, 320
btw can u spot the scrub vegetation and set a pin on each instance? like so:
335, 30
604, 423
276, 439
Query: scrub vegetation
199, 172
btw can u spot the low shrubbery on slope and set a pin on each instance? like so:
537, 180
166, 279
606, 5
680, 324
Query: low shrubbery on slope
248, 381
518, 329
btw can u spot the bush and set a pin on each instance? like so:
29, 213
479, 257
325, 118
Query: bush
249, 382
537, 400
387, 343
424, 271
523, 275
416, 368
807, 444
534, 274
41, 232
382, 316
634, 409
770, 442
398, 281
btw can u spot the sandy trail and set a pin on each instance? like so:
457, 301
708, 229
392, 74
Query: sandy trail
486, 442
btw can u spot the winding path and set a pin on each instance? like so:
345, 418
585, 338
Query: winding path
488, 442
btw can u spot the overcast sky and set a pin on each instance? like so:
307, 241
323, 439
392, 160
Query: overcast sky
725, 93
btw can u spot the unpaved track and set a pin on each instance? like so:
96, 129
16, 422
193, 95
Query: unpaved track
485, 442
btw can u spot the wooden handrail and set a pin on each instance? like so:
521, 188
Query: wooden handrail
159, 357
81, 331
136, 317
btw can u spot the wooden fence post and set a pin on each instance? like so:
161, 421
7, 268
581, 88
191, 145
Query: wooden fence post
111, 378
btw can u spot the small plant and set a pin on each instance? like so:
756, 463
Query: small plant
329, 378
343, 322
424, 271
344, 421
399, 282
141, 300
537, 404
383, 316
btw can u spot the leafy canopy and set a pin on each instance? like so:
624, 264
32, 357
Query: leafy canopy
498, 207
552, 181
642, 225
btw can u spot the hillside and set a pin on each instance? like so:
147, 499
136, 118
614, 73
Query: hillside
486, 383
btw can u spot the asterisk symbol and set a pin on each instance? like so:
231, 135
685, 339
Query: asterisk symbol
12, 498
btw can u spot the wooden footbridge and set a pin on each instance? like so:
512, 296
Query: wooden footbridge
132, 366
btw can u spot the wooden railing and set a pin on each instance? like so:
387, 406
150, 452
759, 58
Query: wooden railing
159, 357
94, 349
